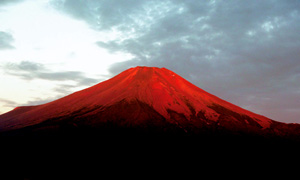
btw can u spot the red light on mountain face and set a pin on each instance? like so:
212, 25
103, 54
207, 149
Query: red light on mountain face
142, 97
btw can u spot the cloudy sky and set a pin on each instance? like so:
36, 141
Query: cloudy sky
244, 51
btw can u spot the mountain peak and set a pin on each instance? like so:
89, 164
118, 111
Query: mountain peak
146, 69
145, 74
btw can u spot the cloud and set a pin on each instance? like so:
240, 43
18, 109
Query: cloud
100, 14
6, 39
8, 103
5, 2
30, 70
39, 101
35, 101
234, 49
65, 81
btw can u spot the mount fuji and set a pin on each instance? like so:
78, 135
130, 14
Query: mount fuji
142, 101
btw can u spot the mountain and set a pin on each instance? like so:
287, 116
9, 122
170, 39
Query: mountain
143, 101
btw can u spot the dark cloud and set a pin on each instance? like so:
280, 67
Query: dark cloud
30, 70
6, 39
246, 52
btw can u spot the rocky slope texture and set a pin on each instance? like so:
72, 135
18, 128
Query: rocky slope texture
143, 100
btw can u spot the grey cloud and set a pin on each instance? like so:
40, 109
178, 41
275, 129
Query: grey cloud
25, 66
30, 70
77, 8
60, 76
111, 13
64, 88
5, 2
105, 15
8, 103
6, 40
38, 101
233, 49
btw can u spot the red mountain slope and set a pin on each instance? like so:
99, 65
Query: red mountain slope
143, 97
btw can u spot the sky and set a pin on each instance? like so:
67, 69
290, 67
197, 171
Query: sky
245, 52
